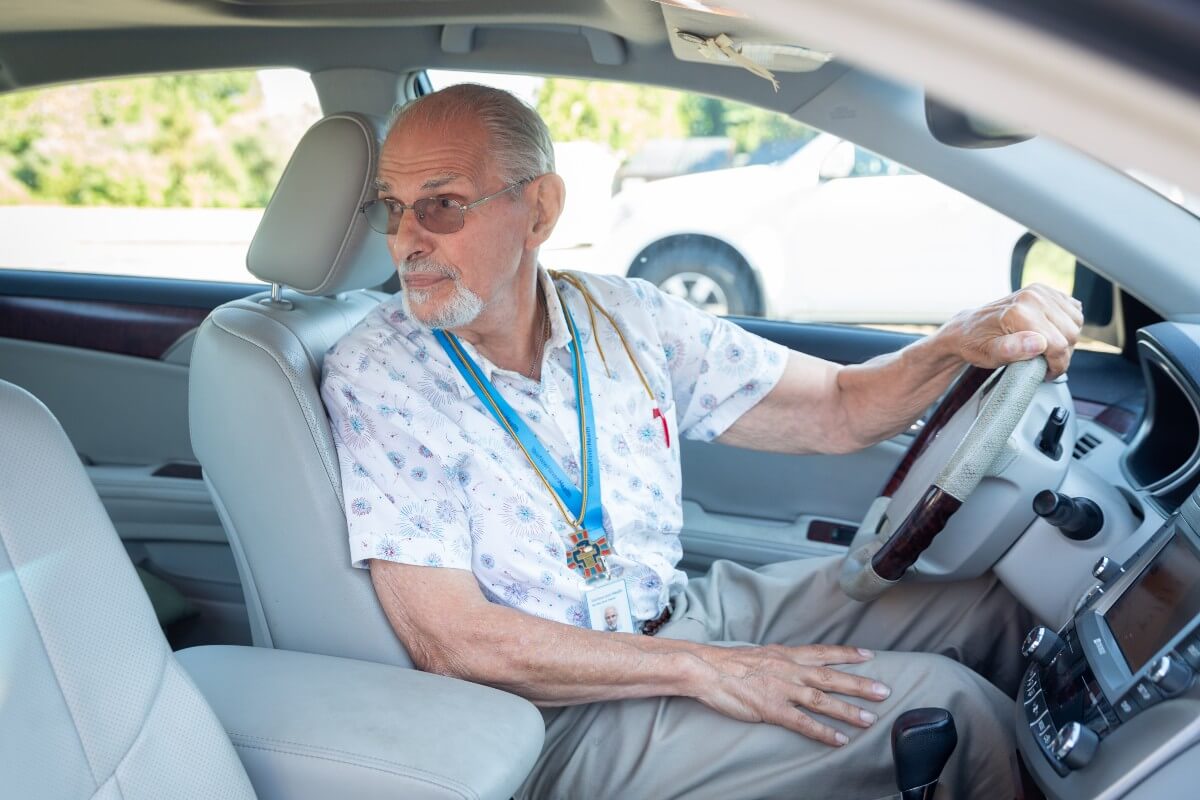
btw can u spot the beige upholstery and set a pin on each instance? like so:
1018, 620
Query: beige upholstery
257, 423
311, 237
92, 701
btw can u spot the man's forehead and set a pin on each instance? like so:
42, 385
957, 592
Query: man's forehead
423, 155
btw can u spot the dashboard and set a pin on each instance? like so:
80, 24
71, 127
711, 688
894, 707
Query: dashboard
1109, 705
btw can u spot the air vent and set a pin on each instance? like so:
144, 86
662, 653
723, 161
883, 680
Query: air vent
1084, 445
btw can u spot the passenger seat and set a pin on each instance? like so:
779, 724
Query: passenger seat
93, 704
257, 422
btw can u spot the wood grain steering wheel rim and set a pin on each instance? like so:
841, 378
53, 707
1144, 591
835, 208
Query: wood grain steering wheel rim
935, 507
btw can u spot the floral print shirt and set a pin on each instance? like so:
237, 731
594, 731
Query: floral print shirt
430, 478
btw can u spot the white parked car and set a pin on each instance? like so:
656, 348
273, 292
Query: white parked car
834, 232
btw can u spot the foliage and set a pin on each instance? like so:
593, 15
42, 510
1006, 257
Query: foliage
186, 140
625, 116
206, 140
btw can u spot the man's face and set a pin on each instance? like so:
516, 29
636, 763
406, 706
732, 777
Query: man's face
449, 279
610, 618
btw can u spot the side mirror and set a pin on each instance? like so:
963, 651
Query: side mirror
839, 163
957, 128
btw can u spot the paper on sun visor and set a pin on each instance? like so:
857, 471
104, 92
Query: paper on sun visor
722, 48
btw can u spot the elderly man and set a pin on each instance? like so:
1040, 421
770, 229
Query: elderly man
509, 445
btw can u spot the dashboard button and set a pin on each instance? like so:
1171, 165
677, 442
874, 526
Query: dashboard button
1036, 707
1191, 653
1147, 694
1127, 707
1029, 691
1041, 725
1046, 740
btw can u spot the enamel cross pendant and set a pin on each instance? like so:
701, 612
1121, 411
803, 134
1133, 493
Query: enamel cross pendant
587, 556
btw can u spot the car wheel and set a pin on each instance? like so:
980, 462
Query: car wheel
708, 275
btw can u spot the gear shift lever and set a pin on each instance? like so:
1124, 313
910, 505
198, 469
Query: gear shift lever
922, 741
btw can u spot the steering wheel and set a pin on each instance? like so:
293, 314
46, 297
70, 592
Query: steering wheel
873, 567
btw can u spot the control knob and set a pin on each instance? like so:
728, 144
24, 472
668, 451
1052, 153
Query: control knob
1077, 517
1170, 675
1041, 644
1106, 570
1075, 745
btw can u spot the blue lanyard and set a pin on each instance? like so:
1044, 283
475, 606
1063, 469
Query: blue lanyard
588, 519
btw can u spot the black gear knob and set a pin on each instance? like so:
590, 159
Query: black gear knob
922, 741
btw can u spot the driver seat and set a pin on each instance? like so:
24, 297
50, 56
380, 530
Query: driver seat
257, 422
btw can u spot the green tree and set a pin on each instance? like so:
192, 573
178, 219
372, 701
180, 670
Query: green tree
625, 116
173, 140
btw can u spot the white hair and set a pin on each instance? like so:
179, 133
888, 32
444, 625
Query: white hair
519, 140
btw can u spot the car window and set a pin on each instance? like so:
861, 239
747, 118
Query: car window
745, 211
163, 176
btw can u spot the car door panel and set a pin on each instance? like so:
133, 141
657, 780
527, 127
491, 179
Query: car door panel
758, 508
109, 357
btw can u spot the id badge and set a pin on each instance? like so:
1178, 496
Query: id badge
608, 607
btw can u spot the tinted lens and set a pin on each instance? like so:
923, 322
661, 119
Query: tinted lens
439, 214
379, 216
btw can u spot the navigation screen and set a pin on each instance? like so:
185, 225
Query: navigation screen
1163, 599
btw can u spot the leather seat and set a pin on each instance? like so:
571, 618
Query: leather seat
92, 701
257, 423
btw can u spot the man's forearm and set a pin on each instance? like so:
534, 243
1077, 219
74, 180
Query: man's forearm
820, 407
883, 396
552, 664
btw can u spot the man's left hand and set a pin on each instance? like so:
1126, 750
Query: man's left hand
1035, 320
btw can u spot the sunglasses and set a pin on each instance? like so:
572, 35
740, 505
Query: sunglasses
435, 214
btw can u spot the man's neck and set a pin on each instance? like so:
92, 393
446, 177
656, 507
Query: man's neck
510, 329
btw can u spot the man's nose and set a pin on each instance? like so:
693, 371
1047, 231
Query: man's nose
410, 240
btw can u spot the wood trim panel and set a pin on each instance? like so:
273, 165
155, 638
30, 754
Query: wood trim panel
132, 329
915, 534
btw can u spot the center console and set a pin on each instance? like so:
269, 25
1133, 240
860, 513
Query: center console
1111, 699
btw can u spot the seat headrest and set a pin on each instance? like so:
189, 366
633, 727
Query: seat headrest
312, 237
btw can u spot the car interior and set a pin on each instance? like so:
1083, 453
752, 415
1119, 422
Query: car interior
180, 614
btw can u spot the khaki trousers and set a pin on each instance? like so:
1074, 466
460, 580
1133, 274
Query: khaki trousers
933, 642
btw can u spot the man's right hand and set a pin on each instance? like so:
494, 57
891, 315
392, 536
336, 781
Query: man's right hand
772, 683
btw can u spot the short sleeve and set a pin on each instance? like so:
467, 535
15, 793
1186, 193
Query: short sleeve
718, 370
395, 508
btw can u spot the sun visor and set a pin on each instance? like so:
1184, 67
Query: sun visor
724, 34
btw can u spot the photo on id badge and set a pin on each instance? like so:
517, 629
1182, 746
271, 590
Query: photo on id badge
608, 607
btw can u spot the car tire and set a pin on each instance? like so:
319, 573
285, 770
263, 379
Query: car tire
705, 273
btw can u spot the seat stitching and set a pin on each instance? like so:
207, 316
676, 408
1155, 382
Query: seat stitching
443, 783
49, 659
309, 417
398, 764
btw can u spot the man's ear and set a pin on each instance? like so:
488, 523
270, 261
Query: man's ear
549, 194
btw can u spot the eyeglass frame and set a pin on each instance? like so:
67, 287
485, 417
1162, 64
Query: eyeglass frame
462, 209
